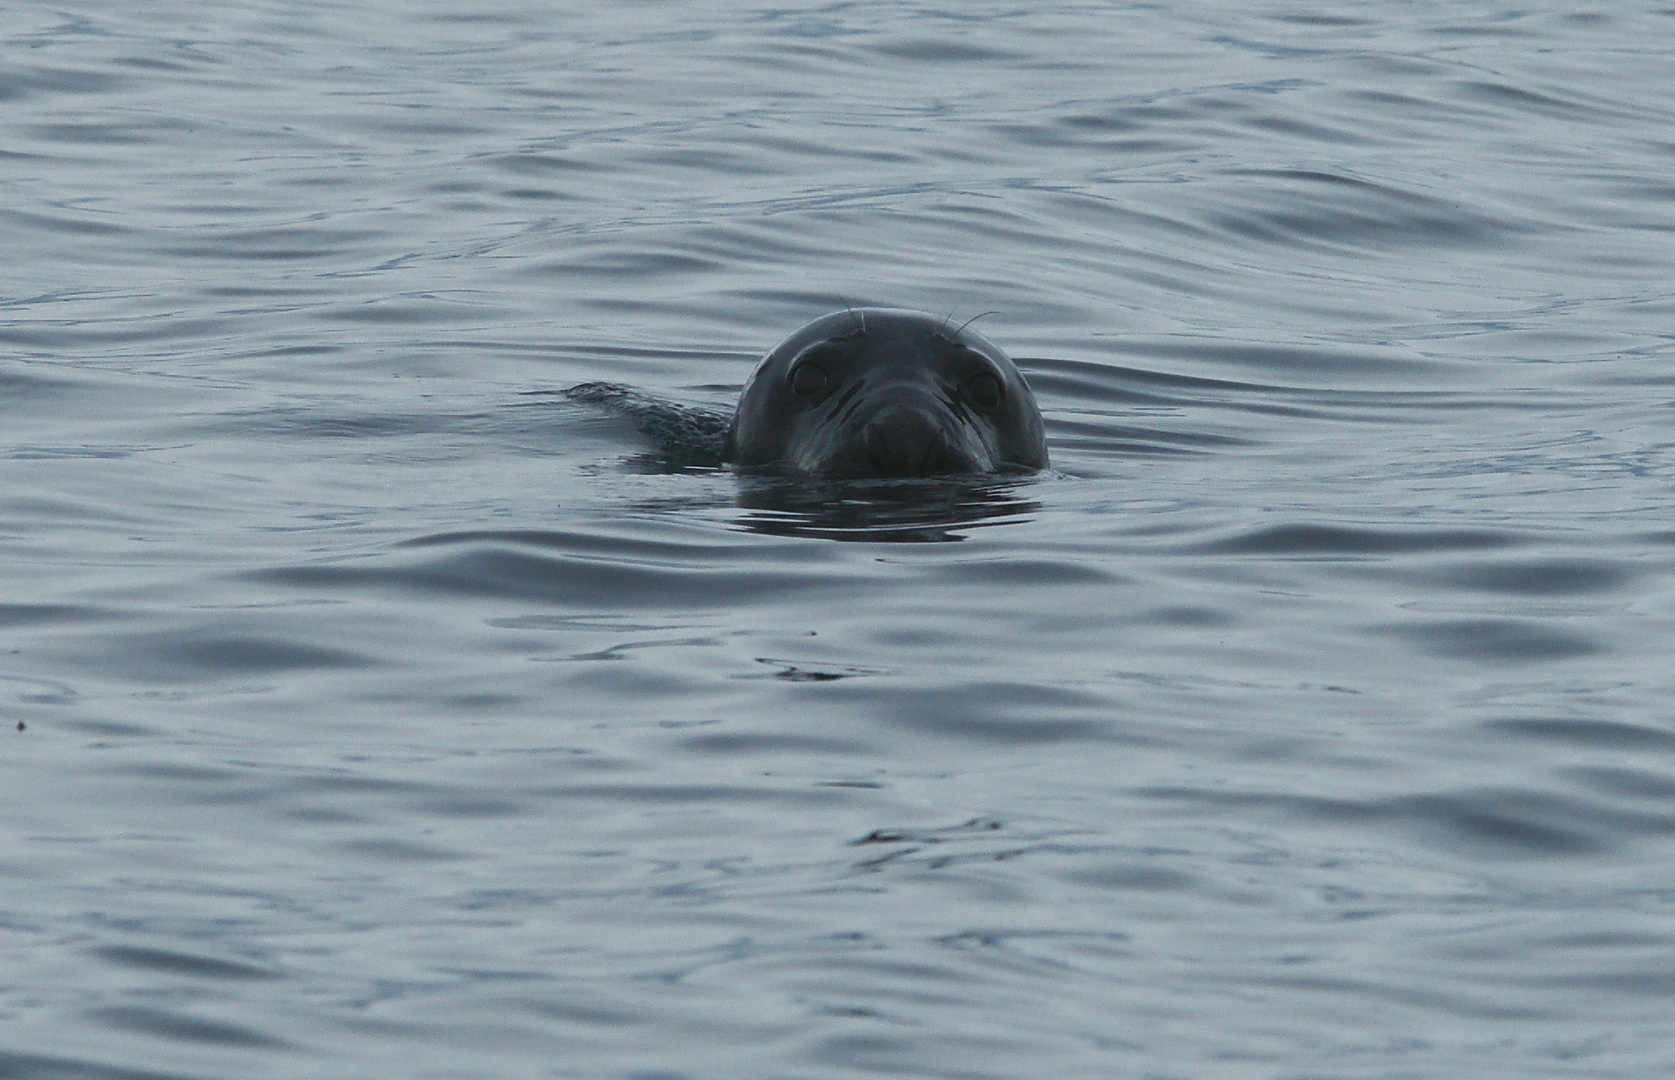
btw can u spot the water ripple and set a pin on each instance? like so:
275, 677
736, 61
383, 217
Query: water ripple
367, 697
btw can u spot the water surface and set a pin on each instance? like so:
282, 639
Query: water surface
372, 708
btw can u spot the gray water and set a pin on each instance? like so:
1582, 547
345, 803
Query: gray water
373, 709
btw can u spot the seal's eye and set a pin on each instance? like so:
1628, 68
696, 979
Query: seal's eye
809, 380
983, 390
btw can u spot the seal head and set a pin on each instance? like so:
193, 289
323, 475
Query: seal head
881, 392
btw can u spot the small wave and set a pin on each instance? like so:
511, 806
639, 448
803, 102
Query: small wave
1329, 540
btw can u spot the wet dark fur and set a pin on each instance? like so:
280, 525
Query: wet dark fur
900, 393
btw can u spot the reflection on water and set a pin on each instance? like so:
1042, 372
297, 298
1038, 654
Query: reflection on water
932, 510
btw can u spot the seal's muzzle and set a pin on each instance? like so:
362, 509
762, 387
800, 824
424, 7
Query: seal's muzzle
909, 439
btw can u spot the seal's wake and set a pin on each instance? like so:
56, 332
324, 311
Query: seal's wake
683, 436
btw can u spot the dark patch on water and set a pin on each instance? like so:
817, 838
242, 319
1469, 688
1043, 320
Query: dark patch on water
183, 1028
24, 82
34, 1067
1343, 541
1516, 641
1535, 577
946, 834
184, 964
193, 653
1495, 823
741, 743
1607, 734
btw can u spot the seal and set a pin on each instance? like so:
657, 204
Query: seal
883, 392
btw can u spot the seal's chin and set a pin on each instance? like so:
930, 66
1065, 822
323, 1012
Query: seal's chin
910, 437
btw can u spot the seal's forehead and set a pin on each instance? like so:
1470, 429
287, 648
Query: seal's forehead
834, 325
883, 325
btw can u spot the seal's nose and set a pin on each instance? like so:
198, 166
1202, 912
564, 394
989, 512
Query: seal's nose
908, 441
